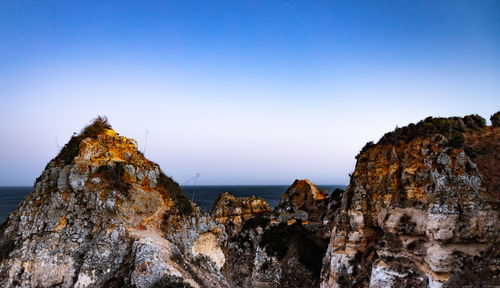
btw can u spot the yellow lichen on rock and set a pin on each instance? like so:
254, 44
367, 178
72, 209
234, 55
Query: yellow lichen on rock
417, 206
62, 224
101, 203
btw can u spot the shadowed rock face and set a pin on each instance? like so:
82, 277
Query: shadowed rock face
284, 248
482, 147
101, 215
314, 207
302, 192
420, 214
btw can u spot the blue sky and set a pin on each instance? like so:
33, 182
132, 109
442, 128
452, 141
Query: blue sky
242, 92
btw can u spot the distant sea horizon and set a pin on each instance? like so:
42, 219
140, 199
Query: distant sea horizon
204, 195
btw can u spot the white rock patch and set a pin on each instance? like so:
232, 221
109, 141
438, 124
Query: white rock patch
207, 245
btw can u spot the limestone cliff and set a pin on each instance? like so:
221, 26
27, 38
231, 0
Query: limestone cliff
101, 215
421, 210
284, 248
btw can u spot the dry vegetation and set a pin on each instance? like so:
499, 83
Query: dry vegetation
70, 150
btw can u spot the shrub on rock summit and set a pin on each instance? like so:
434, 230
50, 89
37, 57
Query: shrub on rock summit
449, 127
70, 150
457, 141
495, 119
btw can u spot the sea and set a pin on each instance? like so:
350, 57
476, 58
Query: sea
204, 196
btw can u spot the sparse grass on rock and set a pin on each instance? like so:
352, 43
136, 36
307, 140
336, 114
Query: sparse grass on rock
173, 189
70, 150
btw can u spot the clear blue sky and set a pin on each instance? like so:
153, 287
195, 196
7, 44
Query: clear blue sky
242, 92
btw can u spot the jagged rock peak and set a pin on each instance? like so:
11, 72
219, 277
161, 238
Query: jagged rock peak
98, 154
98, 132
301, 192
102, 215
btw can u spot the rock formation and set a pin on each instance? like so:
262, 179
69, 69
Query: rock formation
284, 248
101, 215
232, 211
422, 210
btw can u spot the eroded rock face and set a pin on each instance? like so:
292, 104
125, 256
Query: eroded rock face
302, 192
421, 213
315, 208
232, 211
284, 248
418, 214
101, 215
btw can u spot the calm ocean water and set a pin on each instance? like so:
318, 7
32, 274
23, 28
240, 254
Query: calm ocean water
204, 196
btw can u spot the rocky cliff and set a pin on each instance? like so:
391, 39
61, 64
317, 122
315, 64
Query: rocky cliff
284, 248
101, 215
422, 210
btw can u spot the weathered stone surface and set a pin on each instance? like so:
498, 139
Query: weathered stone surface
232, 211
302, 192
101, 215
415, 212
284, 248
439, 259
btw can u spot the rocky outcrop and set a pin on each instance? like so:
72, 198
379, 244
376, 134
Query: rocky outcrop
101, 215
315, 208
232, 211
422, 210
280, 249
302, 193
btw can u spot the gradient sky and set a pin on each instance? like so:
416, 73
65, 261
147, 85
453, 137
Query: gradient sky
242, 92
